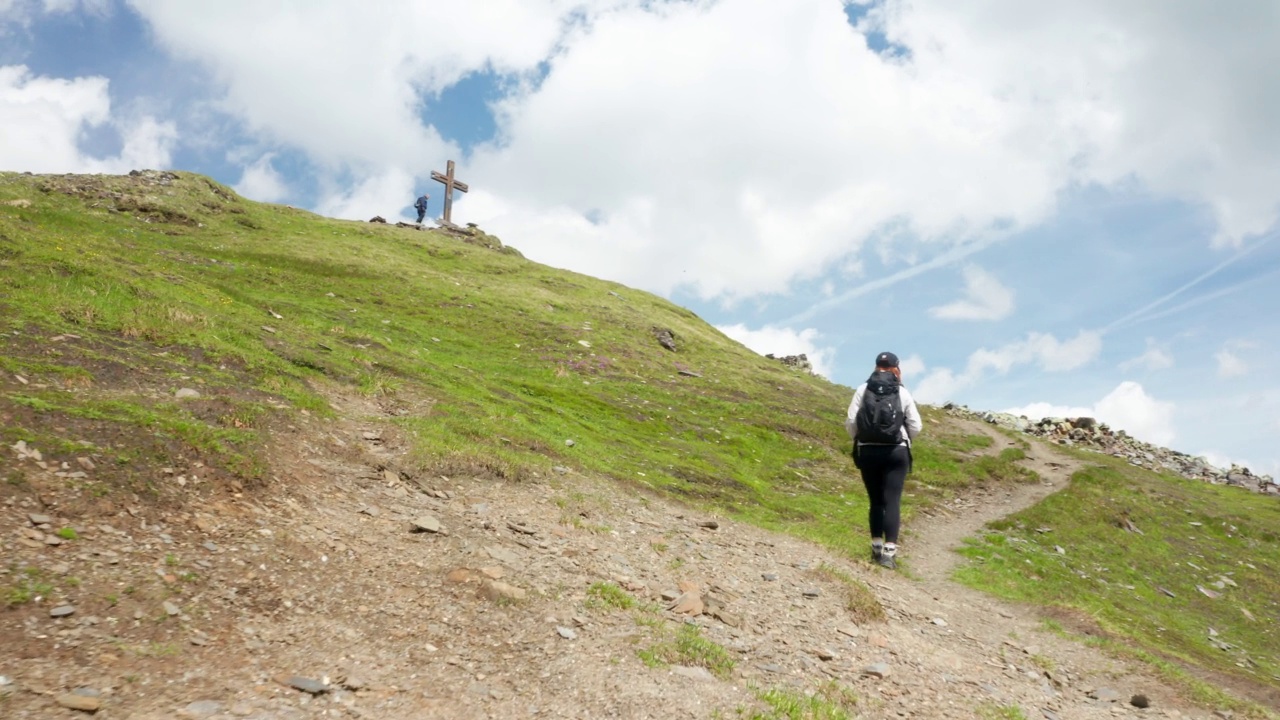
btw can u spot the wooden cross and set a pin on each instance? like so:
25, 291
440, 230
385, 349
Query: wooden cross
449, 185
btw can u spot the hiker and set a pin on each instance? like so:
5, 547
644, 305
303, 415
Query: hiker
421, 207
882, 421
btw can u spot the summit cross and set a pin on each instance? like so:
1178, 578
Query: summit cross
449, 185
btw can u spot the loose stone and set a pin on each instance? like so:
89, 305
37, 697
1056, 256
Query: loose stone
201, 709
877, 670
83, 703
426, 523
307, 685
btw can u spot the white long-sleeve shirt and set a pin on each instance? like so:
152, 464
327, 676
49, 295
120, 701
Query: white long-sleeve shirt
910, 428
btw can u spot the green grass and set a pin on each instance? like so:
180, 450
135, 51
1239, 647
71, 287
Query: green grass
171, 285
687, 647
1143, 590
608, 596
992, 711
26, 585
830, 701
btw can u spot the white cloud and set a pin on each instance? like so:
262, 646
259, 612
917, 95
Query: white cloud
1044, 350
370, 197
1031, 99
1154, 358
912, 366
1117, 74
43, 118
1040, 348
260, 181
1038, 410
765, 143
939, 386
148, 143
1221, 460
346, 83
984, 299
1230, 364
1128, 407
781, 341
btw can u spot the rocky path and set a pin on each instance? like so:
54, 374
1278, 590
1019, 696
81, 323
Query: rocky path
354, 589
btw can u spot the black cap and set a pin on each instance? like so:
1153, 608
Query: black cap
887, 360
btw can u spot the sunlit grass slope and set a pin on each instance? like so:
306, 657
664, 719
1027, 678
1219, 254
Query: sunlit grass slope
506, 367
1183, 573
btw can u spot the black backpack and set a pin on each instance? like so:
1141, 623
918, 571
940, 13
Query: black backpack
880, 418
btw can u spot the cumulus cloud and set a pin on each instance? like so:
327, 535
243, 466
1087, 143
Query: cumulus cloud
1221, 460
1154, 358
1128, 407
1230, 363
346, 84
984, 299
1040, 349
147, 143
378, 194
43, 119
260, 181
767, 143
1029, 100
1117, 74
912, 366
781, 341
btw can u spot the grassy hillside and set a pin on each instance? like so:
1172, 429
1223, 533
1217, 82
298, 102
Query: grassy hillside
118, 292
1186, 575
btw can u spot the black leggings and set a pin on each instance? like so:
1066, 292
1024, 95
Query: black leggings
884, 472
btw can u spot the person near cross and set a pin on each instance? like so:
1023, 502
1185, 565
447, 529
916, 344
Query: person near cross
421, 206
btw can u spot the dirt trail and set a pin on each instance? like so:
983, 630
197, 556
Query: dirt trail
947, 525
219, 610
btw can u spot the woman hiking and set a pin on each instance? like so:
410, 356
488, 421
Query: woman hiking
882, 421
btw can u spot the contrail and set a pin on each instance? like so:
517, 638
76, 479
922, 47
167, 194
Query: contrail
1199, 300
1137, 314
946, 258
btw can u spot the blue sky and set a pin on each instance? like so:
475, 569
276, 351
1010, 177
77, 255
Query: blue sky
1053, 208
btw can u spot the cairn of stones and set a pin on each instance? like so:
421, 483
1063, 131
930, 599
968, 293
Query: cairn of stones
1089, 434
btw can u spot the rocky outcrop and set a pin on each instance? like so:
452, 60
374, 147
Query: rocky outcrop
797, 362
666, 337
1089, 434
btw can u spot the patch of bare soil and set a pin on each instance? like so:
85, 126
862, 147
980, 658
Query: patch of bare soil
316, 598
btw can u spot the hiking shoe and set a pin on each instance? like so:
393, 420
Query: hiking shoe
877, 551
887, 561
